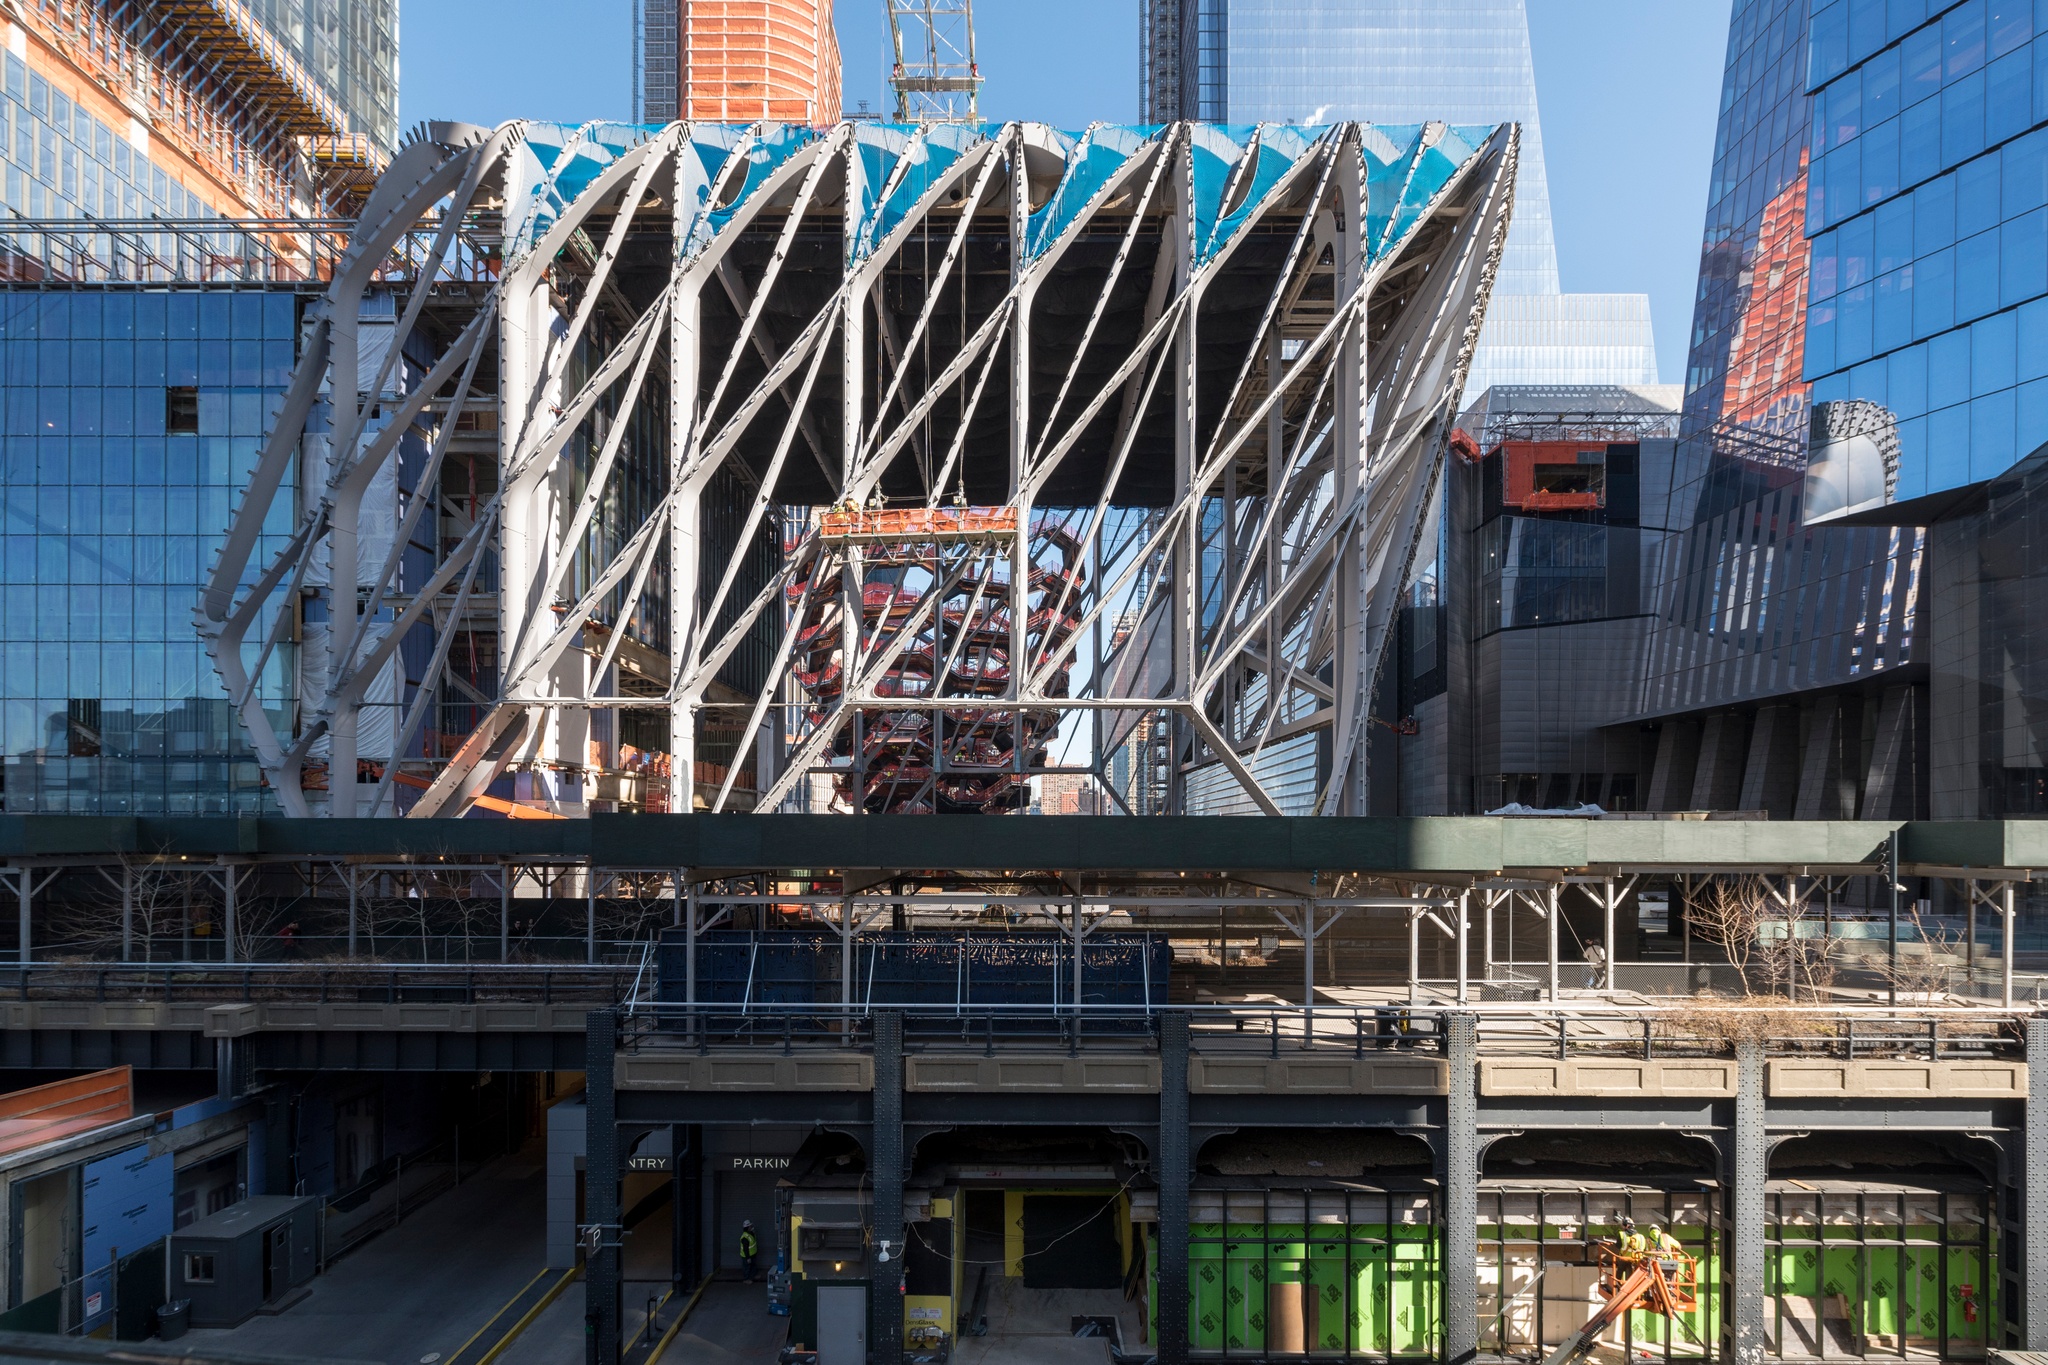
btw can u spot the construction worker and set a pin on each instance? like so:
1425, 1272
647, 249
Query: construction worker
1633, 1244
750, 1249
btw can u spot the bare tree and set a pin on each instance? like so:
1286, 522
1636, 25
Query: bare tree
127, 908
1926, 958
257, 919
1791, 960
1730, 913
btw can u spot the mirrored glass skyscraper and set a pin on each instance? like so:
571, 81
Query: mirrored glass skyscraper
1407, 61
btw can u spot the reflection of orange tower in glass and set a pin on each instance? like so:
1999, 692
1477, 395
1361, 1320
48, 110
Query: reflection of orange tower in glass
1764, 387
774, 60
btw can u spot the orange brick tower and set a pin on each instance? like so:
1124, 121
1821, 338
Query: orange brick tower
737, 61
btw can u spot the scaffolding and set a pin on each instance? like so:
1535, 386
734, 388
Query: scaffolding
205, 79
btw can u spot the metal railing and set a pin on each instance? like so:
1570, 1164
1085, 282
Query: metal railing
225, 251
1220, 1030
324, 982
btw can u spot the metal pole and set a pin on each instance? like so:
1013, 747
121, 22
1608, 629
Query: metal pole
1891, 881
1488, 950
690, 945
350, 874
846, 961
1970, 931
2006, 948
1308, 958
228, 916
1414, 955
1827, 920
1607, 900
127, 912
1464, 943
1550, 920
590, 916
504, 912
1077, 951
24, 890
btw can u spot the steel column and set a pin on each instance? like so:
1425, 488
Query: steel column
602, 1303
2033, 1249
1173, 1168
2010, 924
1550, 923
1750, 1162
1461, 1191
887, 1158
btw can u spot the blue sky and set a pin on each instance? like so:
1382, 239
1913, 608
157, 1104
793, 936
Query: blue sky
1627, 88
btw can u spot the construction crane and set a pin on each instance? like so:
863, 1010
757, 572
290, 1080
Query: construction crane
935, 77
1660, 1280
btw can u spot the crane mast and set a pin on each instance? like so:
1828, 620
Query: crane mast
935, 76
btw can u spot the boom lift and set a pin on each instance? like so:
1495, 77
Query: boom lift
1661, 1281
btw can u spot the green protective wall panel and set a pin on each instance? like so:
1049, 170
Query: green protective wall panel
1376, 1289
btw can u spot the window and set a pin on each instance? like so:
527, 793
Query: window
181, 409
198, 1267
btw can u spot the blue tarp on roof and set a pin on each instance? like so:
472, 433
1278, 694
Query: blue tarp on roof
1234, 169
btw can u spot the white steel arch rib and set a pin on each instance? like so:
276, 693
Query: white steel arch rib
1006, 438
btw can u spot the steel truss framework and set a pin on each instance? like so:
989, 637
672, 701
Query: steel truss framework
1219, 367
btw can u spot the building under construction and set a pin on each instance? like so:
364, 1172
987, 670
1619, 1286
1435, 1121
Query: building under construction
873, 467
199, 109
728, 61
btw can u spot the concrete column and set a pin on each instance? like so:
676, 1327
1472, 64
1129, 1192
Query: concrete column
1461, 1191
886, 1161
2033, 1248
1745, 1221
1174, 1169
601, 1287
1717, 776
1671, 773
24, 891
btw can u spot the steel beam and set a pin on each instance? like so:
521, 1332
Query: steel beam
1749, 1160
1173, 1167
2034, 1191
1460, 1157
602, 1291
889, 1164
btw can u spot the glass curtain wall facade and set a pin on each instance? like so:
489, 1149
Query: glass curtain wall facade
71, 158
350, 48
1783, 655
1928, 212
1407, 61
132, 419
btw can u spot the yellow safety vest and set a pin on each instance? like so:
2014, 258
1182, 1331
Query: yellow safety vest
748, 1246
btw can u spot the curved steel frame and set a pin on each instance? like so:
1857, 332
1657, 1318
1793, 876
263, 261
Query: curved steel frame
1255, 605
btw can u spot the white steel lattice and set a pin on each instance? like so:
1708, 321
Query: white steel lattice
1121, 437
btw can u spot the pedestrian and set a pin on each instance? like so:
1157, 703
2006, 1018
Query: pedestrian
750, 1249
1596, 962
